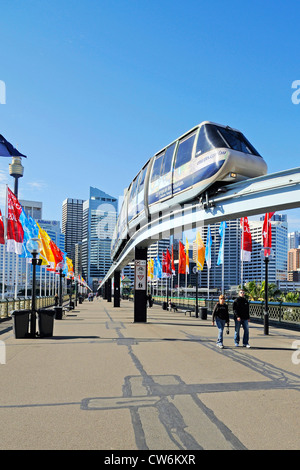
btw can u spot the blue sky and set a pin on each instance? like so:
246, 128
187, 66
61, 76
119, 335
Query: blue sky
94, 88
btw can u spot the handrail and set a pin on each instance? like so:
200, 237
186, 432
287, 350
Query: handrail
8, 305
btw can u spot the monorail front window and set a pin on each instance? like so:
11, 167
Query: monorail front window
211, 137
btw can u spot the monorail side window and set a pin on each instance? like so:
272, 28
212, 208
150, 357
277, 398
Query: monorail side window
157, 167
185, 148
133, 189
142, 179
167, 163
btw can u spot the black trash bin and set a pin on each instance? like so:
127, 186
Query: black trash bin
58, 313
21, 323
164, 305
203, 313
46, 321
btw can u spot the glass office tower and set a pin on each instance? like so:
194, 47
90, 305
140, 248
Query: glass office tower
100, 213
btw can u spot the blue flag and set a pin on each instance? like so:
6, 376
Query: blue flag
159, 268
30, 229
221, 250
208, 248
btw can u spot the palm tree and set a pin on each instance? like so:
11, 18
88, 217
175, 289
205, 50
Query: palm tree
273, 292
252, 290
291, 297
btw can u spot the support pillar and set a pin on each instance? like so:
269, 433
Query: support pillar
108, 290
140, 285
105, 291
117, 289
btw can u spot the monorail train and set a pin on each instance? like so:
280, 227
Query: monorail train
207, 155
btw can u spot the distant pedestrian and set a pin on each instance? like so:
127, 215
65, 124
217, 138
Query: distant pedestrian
56, 299
241, 318
221, 317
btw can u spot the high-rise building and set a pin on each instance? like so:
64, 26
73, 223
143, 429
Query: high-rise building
72, 225
294, 259
294, 240
277, 267
100, 213
32, 208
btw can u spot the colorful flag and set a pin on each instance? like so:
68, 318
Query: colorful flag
46, 252
168, 261
166, 264
172, 262
187, 257
30, 229
15, 232
267, 232
222, 228
159, 268
2, 240
57, 253
182, 259
246, 243
208, 248
200, 251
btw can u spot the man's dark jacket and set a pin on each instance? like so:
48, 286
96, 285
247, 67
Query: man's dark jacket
241, 308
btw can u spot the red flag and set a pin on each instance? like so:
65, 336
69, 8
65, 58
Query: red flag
15, 232
267, 232
172, 262
2, 241
166, 264
57, 253
246, 244
182, 259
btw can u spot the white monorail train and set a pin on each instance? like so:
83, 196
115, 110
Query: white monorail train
201, 159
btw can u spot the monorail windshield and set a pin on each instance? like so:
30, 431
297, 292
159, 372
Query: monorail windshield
212, 136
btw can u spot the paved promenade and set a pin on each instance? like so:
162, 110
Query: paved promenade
105, 382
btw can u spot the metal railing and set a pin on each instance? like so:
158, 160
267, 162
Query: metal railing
7, 306
279, 312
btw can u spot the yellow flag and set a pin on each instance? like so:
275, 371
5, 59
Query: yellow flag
200, 251
46, 252
187, 263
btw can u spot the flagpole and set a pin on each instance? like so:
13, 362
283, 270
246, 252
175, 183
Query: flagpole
242, 254
26, 276
16, 275
223, 248
4, 246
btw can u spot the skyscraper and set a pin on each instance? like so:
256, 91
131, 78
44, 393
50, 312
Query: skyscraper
100, 213
72, 225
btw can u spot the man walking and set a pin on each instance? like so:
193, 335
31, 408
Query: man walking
241, 318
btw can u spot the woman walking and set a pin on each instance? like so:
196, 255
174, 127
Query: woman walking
221, 317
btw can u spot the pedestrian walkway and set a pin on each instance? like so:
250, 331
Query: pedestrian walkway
105, 382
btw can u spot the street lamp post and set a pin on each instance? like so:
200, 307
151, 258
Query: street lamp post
267, 254
16, 170
34, 247
196, 271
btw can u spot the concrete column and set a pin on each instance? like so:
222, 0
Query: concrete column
108, 290
117, 289
140, 285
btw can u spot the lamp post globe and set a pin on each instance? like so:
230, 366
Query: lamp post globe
34, 246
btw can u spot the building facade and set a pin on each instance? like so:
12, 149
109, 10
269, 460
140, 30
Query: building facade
72, 210
100, 214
